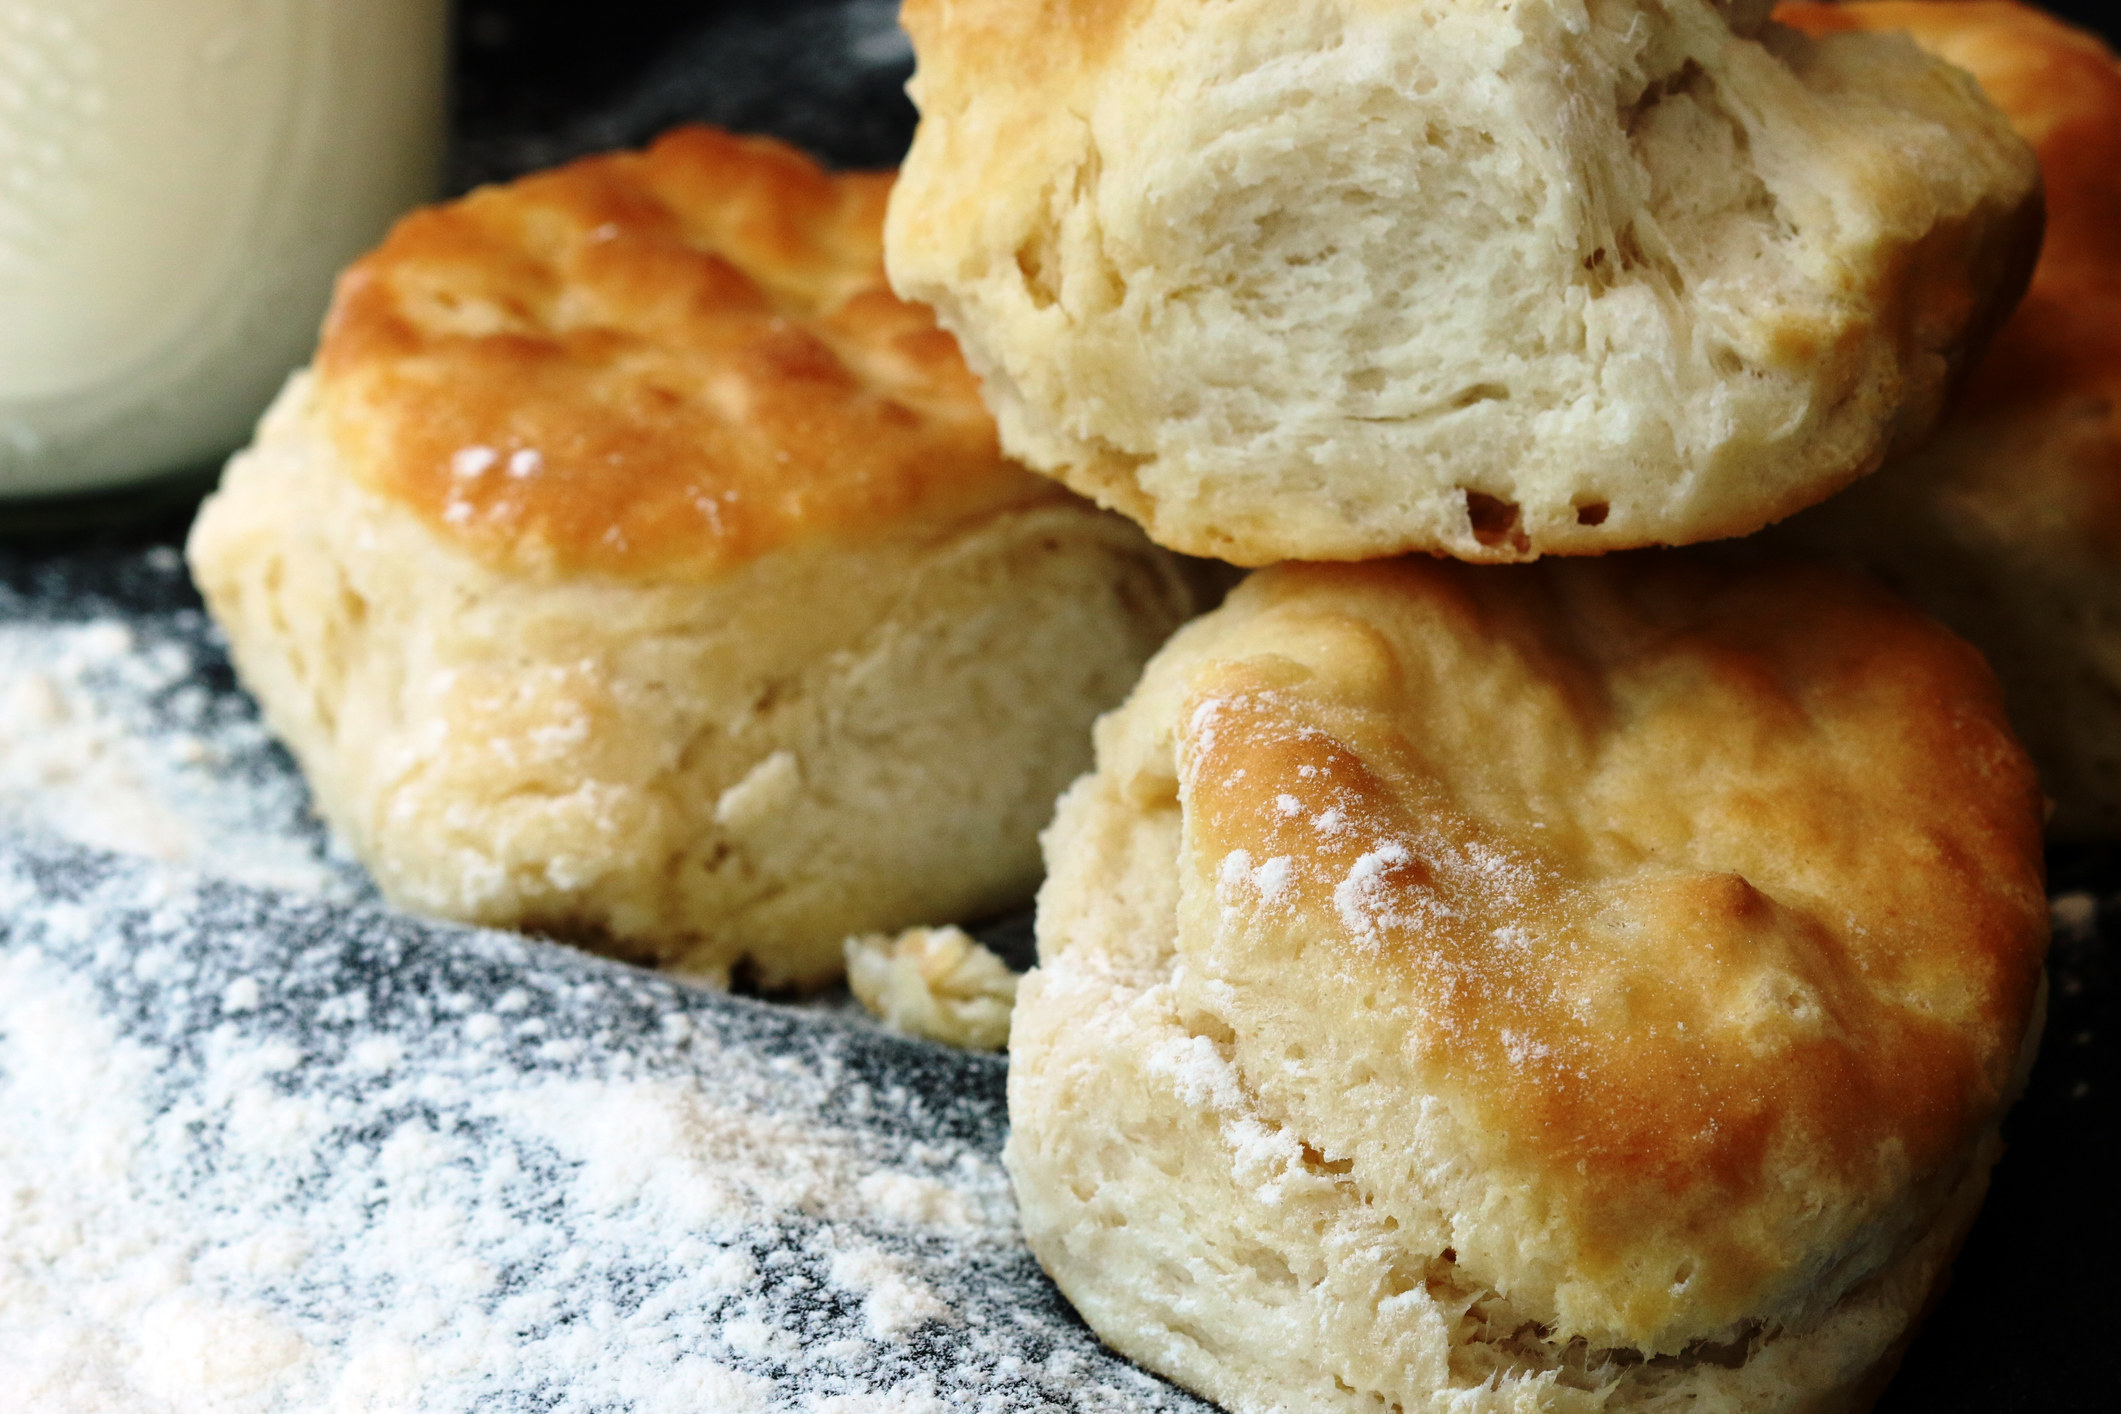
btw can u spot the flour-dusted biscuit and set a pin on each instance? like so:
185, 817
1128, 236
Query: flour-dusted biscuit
1337, 280
1585, 986
636, 568
2008, 524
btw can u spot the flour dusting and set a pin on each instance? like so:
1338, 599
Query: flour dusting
114, 734
264, 1154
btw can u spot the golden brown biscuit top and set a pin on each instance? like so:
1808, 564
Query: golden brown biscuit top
1717, 902
669, 361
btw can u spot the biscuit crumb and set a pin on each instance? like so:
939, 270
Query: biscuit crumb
936, 983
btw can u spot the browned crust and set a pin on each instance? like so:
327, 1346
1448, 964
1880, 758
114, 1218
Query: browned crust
668, 362
2057, 360
1870, 840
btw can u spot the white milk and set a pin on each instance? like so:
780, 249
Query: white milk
179, 181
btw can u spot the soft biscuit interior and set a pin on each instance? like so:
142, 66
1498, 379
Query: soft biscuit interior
1628, 961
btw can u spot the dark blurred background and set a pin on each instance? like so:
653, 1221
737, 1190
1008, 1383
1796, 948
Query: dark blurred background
2101, 15
539, 81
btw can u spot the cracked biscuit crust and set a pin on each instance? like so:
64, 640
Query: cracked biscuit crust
1654, 948
1334, 281
666, 362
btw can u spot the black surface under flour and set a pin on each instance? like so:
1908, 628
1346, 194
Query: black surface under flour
373, 1027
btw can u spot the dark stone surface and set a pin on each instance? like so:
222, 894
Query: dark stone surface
477, 1029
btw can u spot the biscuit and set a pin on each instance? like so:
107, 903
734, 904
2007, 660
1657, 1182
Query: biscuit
635, 568
1593, 985
2007, 526
1336, 281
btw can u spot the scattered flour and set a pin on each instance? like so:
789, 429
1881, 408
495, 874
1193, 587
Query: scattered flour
269, 1148
263, 1154
1238, 885
2075, 914
111, 737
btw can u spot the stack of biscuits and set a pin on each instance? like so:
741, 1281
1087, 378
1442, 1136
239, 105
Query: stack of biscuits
1590, 984
1493, 961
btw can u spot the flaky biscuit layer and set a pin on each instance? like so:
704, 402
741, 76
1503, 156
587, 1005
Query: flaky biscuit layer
719, 776
1335, 281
